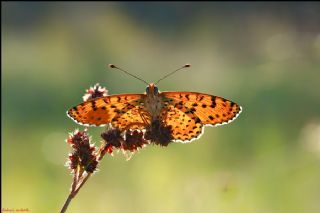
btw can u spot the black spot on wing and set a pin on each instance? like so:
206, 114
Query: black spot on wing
213, 102
94, 106
197, 120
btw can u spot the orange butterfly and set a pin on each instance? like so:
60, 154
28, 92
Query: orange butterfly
186, 112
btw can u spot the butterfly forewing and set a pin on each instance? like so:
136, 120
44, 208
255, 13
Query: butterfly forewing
200, 109
101, 111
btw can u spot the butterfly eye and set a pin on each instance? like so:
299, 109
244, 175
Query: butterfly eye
147, 90
155, 90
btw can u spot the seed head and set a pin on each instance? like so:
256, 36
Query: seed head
83, 153
158, 133
95, 92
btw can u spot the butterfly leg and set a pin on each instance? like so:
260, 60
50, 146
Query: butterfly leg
144, 116
143, 124
164, 116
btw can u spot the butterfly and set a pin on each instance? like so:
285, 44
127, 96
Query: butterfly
187, 113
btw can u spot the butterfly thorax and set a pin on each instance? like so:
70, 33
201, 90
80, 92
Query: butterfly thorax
153, 101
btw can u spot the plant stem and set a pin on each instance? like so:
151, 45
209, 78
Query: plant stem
82, 183
75, 187
79, 179
66, 204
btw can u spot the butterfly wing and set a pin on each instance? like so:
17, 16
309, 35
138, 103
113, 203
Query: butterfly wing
115, 109
201, 109
131, 117
185, 127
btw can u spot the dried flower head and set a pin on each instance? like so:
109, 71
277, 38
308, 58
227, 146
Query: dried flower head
134, 139
95, 92
83, 154
158, 133
125, 140
113, 139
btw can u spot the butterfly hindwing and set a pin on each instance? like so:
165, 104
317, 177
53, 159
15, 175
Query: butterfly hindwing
131, 117
185, 127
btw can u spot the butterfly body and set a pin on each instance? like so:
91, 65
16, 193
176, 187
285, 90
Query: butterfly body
186, 113
153, 102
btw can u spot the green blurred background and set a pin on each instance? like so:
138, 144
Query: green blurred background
264, 56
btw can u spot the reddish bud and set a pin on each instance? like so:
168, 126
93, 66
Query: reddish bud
158, 133
134, 140
83, 154
95, 92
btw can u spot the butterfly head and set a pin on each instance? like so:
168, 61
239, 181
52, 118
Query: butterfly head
152, 90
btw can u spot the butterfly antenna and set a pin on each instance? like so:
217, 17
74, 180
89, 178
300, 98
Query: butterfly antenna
185, 66
115, 67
